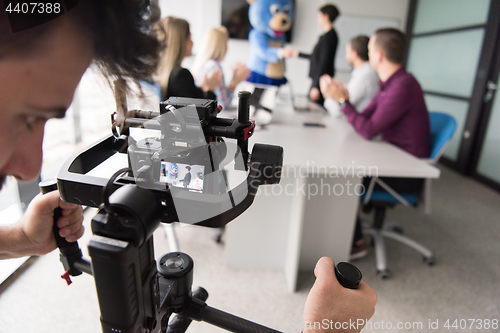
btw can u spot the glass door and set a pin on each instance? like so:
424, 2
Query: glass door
450, 51
487, 158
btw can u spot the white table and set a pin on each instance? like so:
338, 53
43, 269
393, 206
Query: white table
312, 212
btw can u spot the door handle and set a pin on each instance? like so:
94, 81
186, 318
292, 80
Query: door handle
491, 88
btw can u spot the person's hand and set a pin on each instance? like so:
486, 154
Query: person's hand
211, 80
240, 73
329, 303
333, 88
38, 221
314, 94
288, 52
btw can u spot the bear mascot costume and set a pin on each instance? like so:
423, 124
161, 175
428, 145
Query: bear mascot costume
270, 20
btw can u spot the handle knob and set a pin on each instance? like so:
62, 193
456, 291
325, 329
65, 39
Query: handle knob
348, 275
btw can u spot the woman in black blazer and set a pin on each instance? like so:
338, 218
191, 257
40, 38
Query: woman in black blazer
323, 56
174, 79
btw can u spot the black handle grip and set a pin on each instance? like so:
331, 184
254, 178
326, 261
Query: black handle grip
65, 246
69, 251
349, 276
62, 243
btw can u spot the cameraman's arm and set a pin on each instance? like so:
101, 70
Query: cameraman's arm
33, 235
329, 302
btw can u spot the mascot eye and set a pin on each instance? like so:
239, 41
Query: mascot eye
274, 9
286, 9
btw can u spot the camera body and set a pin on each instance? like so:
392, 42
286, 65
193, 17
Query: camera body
181, 157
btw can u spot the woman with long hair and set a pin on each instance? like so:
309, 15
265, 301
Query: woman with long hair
212, 52
175, 80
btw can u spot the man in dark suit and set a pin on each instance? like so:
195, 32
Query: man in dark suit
187, 177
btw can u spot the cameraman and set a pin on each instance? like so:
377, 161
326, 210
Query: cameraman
40, 68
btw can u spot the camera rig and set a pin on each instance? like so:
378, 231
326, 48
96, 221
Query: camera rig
136, 294
194, 123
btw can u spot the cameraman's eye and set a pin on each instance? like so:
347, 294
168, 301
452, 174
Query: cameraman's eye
30, 121
286, 9
274, 9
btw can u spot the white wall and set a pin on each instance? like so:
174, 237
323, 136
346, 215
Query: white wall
206, 14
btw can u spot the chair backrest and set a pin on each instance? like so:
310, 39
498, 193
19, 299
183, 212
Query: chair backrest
443, 127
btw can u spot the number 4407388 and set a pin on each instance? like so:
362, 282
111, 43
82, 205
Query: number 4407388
34, 8
471, 323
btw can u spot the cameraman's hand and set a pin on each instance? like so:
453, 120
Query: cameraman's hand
211, 80
331, 302
36, 225
240, 73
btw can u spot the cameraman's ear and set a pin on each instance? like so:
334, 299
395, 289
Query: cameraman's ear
250, 1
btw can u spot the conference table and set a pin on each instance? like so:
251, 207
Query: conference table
312, 212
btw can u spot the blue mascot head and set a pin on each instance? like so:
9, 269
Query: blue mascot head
272, 17
173, 170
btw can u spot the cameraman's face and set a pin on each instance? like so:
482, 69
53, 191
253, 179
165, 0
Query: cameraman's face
35, 87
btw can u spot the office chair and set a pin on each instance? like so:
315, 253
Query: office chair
442, 127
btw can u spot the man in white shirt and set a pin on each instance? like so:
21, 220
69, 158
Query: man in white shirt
364, 82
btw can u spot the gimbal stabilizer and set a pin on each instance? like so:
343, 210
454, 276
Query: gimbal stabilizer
135, 295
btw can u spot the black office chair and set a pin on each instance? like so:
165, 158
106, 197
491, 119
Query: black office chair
442, 128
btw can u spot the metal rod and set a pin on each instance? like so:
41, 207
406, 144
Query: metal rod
84, 265
244, 106
232, 323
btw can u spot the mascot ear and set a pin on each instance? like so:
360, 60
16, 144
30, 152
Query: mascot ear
250, 1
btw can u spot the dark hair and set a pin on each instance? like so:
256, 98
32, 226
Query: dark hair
331, 10
188, 167
360, 45
125, 45
392, 43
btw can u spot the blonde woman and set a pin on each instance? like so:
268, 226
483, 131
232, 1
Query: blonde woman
175, 80
208, 59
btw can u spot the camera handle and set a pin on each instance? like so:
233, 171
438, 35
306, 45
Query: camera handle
175, 278
70, 253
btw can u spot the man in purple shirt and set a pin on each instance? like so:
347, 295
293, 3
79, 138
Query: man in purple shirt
397, 112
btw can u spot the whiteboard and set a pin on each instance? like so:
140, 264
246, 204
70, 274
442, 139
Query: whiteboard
348, 27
